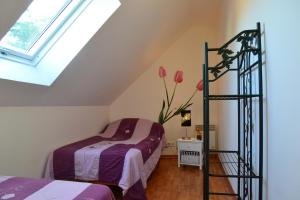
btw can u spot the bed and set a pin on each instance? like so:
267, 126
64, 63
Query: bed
18, 188
124, 154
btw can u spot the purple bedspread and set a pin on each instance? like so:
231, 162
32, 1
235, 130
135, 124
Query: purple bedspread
16, 188
118, 156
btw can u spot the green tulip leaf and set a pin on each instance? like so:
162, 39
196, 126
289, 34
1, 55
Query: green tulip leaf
187, 106
178, 111
161, 114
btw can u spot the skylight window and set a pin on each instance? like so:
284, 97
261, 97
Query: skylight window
36, 26
48, 36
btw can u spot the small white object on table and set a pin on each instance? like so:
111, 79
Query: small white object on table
190, 152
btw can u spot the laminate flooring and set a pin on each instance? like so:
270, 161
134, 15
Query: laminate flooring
169, 182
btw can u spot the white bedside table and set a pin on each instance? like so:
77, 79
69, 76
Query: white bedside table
190, 152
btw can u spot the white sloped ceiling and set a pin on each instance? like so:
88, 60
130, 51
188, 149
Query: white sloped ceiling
128, 43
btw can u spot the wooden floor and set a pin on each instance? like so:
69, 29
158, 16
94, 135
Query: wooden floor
168, 182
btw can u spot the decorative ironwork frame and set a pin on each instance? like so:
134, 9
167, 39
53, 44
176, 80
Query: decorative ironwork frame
247, 64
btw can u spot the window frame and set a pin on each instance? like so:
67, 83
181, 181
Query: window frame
63, 47
59, 24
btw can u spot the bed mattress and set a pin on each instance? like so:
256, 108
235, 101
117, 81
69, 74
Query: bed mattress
124, 154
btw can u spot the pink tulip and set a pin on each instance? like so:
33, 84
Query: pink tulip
178, 78
200, 85
162, 72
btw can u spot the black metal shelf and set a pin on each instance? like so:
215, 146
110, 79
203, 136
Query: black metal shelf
223, 194
231, 162
231, 97
238, 164
221, 64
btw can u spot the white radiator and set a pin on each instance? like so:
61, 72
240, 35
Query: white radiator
212, 135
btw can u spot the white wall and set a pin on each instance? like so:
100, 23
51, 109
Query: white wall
281, 45
29, 134
144, 97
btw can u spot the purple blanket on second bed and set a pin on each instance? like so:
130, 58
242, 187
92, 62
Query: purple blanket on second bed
16, 188
117, 156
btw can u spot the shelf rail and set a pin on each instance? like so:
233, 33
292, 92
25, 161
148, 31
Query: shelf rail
244, 164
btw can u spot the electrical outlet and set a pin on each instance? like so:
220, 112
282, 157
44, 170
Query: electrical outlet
170, 144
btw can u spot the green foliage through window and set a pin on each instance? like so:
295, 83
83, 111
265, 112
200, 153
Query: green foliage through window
20, 35
33, 23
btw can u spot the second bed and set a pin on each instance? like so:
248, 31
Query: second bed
124, 154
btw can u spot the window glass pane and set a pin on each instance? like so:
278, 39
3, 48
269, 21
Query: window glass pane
32, 23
